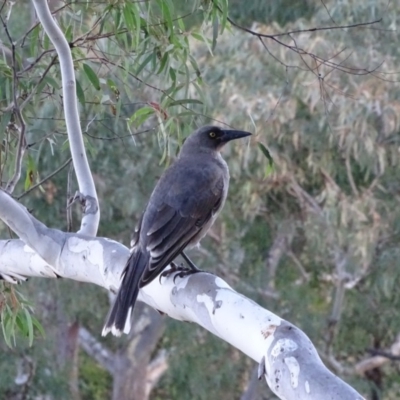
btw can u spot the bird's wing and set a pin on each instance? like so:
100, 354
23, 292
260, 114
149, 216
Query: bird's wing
180, 206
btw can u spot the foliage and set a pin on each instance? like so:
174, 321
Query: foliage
311, 225
16, 316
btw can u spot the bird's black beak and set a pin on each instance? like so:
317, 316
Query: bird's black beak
229, 135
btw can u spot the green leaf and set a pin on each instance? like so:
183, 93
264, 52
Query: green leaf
199, 37
270, 167
141, 115
111, 84
48, 80
163, 63
144, 63
30, 172
46, 42
34, 40
166, 7
215, 33
172, 74
266, 153
117, 18
92, 76
38, 326
29, 324
129, 17
137, 23
4, 120
80, 93
68, 34
184, 101
224, 15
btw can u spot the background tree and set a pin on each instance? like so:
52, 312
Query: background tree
310, 230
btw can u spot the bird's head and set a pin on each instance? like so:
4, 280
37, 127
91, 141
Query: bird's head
210, 138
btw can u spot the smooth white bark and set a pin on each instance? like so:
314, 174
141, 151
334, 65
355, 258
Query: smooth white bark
91, 216
287, 358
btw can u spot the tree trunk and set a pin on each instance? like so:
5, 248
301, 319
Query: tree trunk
130, 368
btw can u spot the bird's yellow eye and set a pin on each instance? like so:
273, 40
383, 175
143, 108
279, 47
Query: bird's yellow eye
212, 134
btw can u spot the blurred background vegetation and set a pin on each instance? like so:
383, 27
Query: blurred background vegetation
310, 229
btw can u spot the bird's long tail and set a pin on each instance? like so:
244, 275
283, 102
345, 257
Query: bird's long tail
119, 317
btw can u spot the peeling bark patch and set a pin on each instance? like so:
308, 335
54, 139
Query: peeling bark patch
207, 301
217, 304
283, 346
307, 387
92, 250
38, 264
268, 331
294, 369
278, 376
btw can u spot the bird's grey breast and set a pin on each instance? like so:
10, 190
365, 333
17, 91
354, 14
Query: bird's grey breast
220, 189
194, 189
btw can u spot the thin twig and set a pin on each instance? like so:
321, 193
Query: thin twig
59, 169
325, 28
299, 265
326, 8
350, 175
21, 146
38, 58
29, 97
69, 199
300, 51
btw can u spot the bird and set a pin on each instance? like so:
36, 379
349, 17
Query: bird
182, 207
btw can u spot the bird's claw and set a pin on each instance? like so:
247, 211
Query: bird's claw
180, 271
186, 272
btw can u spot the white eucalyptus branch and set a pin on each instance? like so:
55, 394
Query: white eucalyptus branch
286, 357
91, 215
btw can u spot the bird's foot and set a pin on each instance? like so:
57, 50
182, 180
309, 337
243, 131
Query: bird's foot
190, 263
180, 271
186, 272
174, 268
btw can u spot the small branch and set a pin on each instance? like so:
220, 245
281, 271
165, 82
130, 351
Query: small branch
350, 175
156, 369
324, 28
252, 392
96, 350
33, 63
278, 249
31, 94
302, 52
59, 169
389, 356
21, 146
91, 213
305, 275
380, 358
